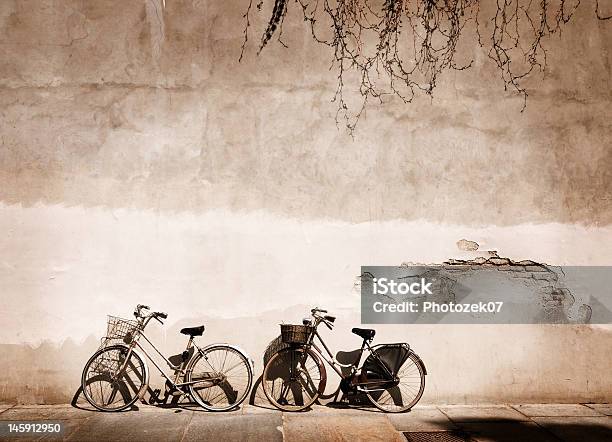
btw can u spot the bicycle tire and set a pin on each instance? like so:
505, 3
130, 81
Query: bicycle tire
227, 386
382, 402
276, 369
102, 372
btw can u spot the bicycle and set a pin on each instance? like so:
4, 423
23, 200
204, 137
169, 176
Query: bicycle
217, 377
392, 376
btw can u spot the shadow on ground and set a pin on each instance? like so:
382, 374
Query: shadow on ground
554, 429
177, 402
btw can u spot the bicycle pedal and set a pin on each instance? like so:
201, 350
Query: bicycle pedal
155, 396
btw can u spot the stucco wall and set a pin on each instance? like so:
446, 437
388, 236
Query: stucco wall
140, 162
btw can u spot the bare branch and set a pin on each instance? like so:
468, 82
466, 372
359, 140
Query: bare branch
401, 47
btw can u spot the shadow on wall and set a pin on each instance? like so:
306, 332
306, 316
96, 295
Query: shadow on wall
50, 373
44, 374
466, 363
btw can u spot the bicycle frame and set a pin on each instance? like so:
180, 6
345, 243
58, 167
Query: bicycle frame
179, 370
336, 366
329, 357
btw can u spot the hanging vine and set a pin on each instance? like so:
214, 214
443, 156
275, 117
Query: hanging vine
401, 47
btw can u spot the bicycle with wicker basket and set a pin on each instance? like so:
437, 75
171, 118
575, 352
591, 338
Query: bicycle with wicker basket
217, 377
392, 376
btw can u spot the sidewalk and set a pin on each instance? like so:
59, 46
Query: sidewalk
591, 422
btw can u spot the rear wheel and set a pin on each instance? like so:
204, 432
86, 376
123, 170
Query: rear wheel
108, 389
293, 379
406, 393
221, 377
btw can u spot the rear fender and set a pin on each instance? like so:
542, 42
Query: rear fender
419, 361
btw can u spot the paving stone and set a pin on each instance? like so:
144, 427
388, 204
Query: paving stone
463, 413
602, 408
45, 413
552, 410
322, 427
421, 419
133, 425
70, 427
42, 406
578, 429
68, 416
216, 426
484, 423
507, 432
342, 410
4, 407
260, 409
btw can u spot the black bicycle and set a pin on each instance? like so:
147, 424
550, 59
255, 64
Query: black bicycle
392, 375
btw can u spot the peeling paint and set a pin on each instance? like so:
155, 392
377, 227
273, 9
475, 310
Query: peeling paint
467, 246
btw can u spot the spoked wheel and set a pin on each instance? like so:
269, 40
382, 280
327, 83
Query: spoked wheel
293, 379
108, 389
406, 393
221, 377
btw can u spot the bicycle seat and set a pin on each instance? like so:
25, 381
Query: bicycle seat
193, 331
365, 333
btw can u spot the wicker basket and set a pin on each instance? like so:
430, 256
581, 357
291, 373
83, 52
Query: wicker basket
122, 329
295, 334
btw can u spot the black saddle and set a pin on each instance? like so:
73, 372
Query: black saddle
193, 331
365, 333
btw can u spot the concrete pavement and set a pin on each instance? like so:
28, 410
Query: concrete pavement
498, 423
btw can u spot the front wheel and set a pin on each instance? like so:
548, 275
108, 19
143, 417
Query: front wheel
406, 393
114, 378
219, 378
293, 379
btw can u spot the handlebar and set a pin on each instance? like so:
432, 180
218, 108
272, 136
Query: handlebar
153, 315
325, 319
157, 315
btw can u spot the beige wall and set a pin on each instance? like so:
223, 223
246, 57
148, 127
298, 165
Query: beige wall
140, 162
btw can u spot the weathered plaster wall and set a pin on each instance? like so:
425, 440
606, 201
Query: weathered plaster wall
140, 162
